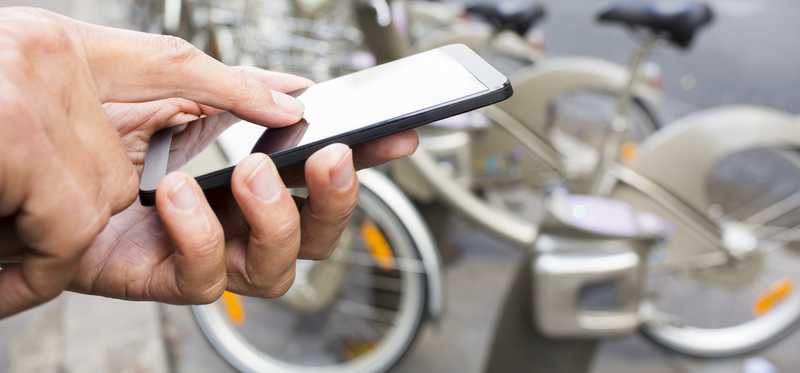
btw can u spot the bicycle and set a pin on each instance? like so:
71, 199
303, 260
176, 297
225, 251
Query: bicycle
644, 184
727, 248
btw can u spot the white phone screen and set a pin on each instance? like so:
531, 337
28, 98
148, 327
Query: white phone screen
359, 100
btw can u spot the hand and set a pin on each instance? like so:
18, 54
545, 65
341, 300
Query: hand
67, 169
181, 252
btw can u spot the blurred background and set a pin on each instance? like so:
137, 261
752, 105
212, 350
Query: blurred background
471, 295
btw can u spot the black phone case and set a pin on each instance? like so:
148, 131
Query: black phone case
292, 156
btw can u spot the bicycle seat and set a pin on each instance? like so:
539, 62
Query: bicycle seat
678, 21
515, 16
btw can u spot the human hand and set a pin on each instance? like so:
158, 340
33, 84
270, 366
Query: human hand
67, 169
189, 255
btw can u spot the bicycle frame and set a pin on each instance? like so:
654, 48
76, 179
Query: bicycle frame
524, 117
621, 122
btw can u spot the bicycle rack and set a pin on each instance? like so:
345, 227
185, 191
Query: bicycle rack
589, 267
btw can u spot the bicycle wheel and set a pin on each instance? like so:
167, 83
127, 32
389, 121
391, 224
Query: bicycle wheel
360, 311
713, 307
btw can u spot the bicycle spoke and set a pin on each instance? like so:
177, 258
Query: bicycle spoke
365, 311
775, 210
366, 260
786, 235
356, 328
765, 231
380, 282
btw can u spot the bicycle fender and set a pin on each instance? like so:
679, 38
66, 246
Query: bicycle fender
680, 156
538, 86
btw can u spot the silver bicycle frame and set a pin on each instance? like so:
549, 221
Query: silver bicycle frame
621, 122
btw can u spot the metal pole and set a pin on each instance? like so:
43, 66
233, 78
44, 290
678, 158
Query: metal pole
620, 124
381, 38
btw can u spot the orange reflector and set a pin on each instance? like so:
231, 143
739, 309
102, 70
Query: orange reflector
233, 307
773, 296
355, 350
628, 151
378, 246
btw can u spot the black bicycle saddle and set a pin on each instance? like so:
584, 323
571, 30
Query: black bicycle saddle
678, 21
515, 16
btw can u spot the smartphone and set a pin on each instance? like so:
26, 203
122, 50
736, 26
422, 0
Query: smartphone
351, 109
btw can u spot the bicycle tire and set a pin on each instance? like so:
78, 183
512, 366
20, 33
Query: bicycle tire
219, 335
737, 282
677, 343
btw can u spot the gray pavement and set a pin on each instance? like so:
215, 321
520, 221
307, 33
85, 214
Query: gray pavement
750, 55
78, 333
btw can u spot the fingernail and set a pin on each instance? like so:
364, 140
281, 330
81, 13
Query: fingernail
182, 118
342, 174
288, 103
264, 181
182, 196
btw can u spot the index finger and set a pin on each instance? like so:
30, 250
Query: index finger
132, 66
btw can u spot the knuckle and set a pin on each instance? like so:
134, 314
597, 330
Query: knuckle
127, 189
93, 216
247, 87
324, 253
279, 288
345, 214
66, 223
284, 234
131, 187
333, 215
324, 250
43, 292
177, 50
45, 32
94, 223
72, 238
209, 246
207, 294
